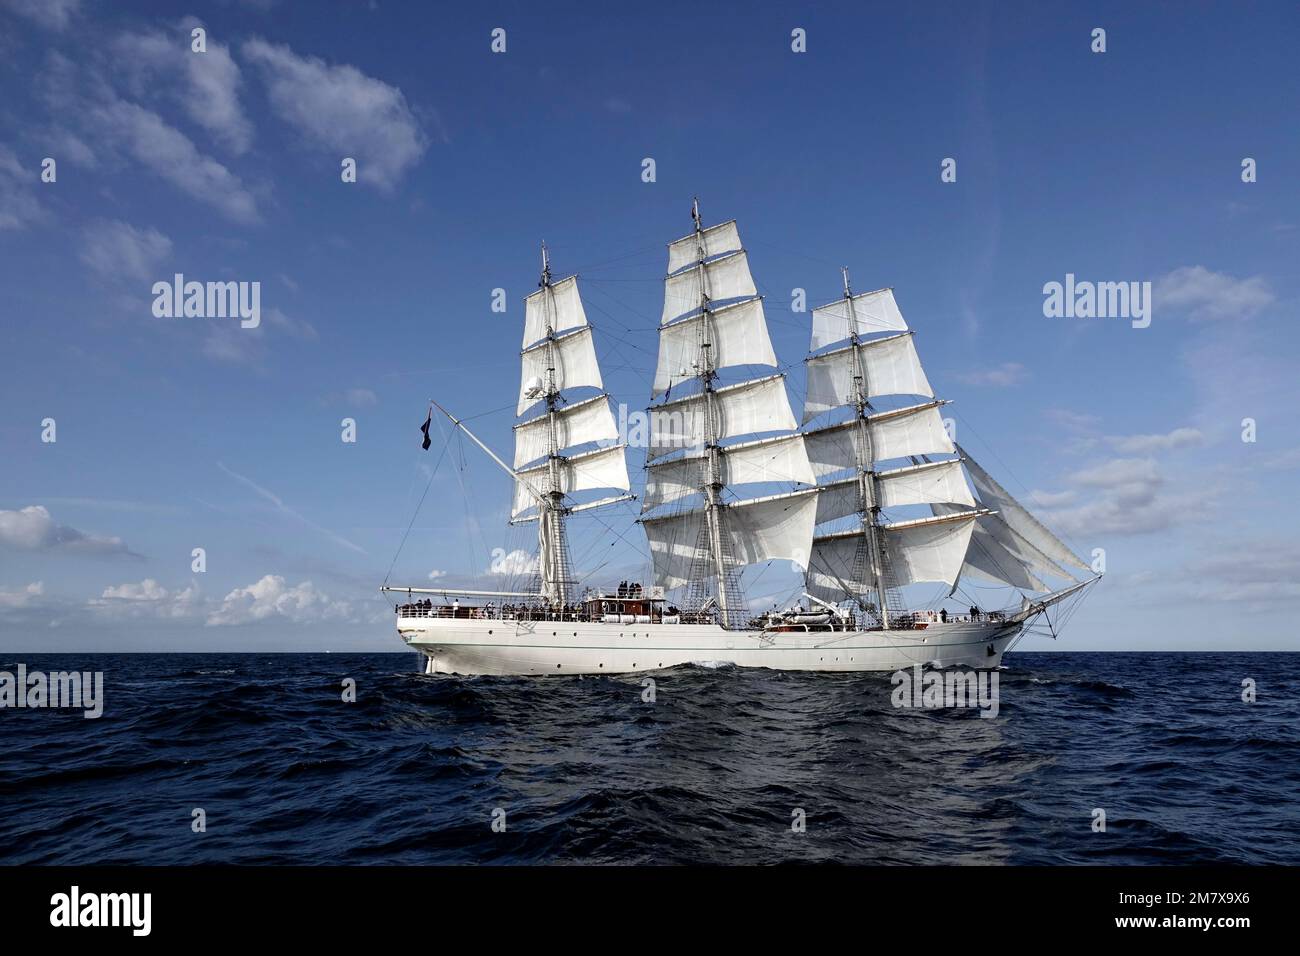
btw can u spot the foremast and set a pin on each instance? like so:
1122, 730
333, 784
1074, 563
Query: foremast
558, 343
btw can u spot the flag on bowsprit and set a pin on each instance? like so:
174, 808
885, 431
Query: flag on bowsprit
425, 428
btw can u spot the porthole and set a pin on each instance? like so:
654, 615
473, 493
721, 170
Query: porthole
557, 667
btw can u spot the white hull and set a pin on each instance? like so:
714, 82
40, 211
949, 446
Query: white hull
471, 646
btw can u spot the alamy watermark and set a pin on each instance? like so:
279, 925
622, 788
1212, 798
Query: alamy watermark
663, 430
63, 689
75, 908
933, 689
208, 300
1098, 300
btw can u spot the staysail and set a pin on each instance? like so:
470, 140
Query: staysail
702, 527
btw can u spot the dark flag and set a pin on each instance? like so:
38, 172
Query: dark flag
425, 428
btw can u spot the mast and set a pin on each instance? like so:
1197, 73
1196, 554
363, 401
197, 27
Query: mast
849, 365
704, 547
713, 485
559, 354
866, 463
552, 535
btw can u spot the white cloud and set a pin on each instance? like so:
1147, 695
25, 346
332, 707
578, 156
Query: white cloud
51, 14
21, 597
361, 398
1204, 295
237, 345
146, 590
32, 529
172, 156
118, 250
513, 562
149, 599
342, 110
1145, 444
1264, 570
435, 574
1118, 472
1077, 421
18, 204
271, 597
1001, 376
206, 85
298, 328
63, 145
1123, 496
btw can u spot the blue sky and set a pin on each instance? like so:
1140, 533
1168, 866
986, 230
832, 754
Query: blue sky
181, 433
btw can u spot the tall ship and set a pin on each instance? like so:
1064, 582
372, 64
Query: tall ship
732, 479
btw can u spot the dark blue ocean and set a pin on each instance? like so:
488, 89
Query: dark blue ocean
710, 772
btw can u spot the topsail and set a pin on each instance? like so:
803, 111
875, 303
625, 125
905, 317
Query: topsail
701, 529
861, 349
559, 355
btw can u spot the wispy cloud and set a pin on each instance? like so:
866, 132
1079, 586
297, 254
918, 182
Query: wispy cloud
205, 85
117, 250
997, 376
19, 206
51, 14
286, 510
1146, 444
343, 110
1204, 295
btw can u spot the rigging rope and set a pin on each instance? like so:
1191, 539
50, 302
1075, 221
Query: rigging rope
411, 523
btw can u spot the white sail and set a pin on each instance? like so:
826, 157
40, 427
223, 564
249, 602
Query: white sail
574, 358
602, 468
1000, 555
737, 335
923, 484
757, 530
861, 314
758, 405
724, 278
926, 549
891, 367
929, 549
587, 421
900, 433
936, 481
767, 460
996, 498
724, 237
557, 307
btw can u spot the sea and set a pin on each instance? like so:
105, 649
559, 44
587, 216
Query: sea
1092, 758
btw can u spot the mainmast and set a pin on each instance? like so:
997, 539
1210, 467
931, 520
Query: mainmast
726, 575
713, 318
